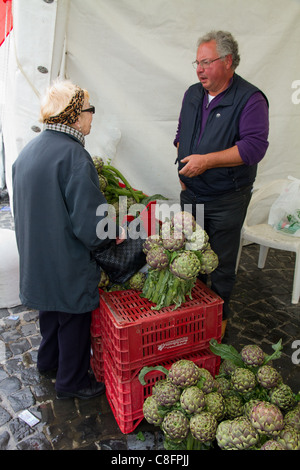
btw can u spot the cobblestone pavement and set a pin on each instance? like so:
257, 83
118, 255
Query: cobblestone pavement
262, 314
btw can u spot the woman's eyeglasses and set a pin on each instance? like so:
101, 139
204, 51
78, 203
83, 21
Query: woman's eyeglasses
89, 110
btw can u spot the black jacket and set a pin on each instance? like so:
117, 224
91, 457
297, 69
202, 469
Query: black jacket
55, 197
221, 132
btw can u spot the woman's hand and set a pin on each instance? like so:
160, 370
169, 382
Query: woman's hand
122, 236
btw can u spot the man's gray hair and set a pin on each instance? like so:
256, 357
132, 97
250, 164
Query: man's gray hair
226, 44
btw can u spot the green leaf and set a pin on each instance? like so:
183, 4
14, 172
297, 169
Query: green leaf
297, 397
276, 354
154, 197
199, 254
146, 369
140, 436
226, 352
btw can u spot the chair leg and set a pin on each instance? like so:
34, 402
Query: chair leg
263, 252
296, 283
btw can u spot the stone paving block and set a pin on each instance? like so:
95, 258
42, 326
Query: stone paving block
21, 400
4, 440
37, 442
4, 416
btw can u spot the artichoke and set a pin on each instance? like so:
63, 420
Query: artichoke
203, 426
165, 392
167, 229
157, 258
227, 367
192, 400
249, 405
184, 373
172, 239
186, 265
223, 386
252, 355
150, 242
184, 222
116, 287
98, 163
292, 418
174, 445
175, 426
234, 406
198, 240
268, 377
130, 201
113, 209
215, 404
243, 380
289, 438
283, 397
151, 412
102, 182
137, 281
236, 434
104, 280
206, 380
174, 243
272, 445
209, 261
267, 419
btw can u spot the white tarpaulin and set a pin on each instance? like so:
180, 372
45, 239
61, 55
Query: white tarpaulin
134, 57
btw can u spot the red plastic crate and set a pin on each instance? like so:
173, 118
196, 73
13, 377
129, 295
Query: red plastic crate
136, 335
126, 398
97, 359
95, 323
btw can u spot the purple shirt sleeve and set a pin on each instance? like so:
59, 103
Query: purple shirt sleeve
254, 130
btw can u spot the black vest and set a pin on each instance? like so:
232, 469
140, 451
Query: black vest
221, 132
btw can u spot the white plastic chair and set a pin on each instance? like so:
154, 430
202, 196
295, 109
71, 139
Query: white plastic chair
257, 230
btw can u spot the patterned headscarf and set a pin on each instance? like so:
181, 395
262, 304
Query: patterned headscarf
70, 114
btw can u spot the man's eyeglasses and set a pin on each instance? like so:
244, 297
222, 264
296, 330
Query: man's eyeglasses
205, 63
89, 110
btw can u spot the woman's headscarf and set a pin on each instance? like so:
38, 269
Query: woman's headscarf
70, 114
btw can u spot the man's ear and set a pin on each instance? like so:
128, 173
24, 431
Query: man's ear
228, 61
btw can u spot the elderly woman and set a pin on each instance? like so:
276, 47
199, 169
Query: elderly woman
55, 196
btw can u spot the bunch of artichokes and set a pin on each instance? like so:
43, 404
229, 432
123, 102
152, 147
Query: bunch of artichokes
122, 200
245, 407
176, 256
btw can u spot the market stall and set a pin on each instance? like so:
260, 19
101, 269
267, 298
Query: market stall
135, 60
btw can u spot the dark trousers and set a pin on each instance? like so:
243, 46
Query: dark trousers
223, 221
65, 346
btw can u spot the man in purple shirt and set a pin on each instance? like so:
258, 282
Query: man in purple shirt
222, 135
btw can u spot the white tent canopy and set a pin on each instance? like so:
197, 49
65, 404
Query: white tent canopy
134, 57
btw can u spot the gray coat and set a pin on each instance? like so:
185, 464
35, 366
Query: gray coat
55, 197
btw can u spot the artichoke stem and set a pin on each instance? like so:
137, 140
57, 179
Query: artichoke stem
173, 290
160, 286
190, 441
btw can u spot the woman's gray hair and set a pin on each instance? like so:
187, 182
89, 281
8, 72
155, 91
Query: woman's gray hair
226, 44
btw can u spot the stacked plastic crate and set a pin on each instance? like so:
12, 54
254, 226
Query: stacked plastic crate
127, 334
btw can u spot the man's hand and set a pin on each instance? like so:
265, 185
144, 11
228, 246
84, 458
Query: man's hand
194, 165
183, 186
197, 164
